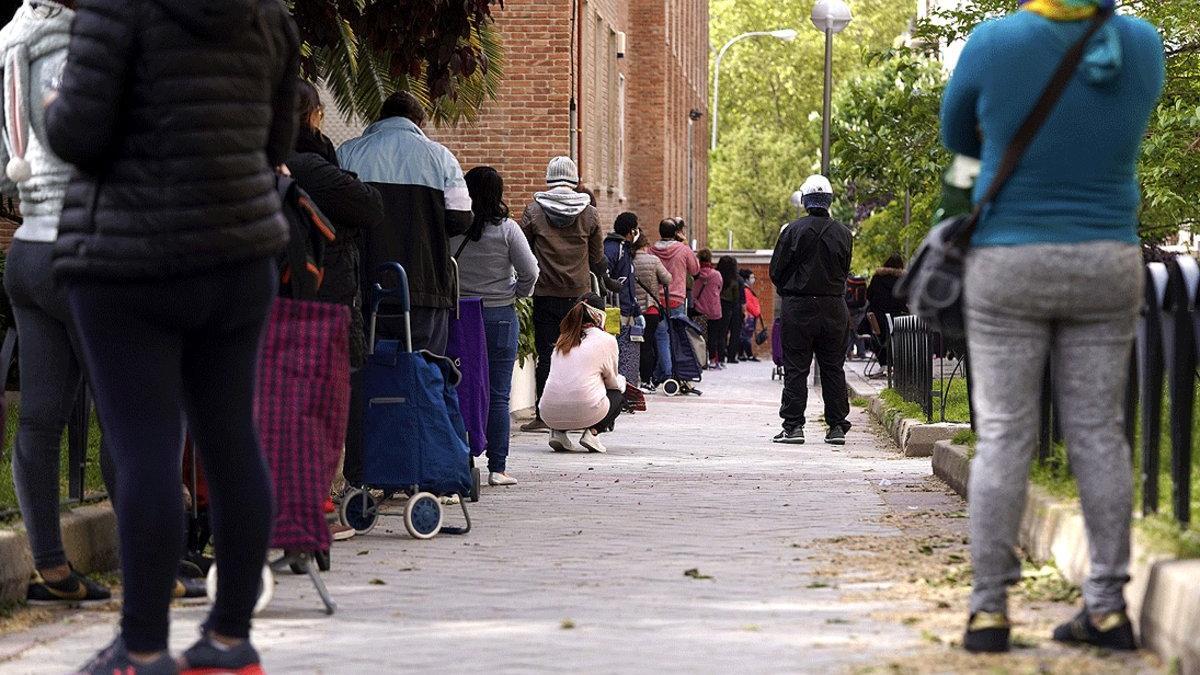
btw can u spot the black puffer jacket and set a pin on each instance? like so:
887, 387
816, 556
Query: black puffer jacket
352, 206
174, 113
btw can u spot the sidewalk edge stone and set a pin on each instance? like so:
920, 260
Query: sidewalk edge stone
89, 536
1163, 593
913, 437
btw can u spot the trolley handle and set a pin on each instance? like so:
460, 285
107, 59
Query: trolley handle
457, 289
398, 292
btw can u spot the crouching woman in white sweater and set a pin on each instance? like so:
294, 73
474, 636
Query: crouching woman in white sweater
584, 390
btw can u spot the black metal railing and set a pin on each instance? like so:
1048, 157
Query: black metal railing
77, 431
917, 365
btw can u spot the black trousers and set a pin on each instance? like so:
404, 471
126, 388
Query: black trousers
161, 354
734, 315
616, 401
649, 359
814, 326
718, 331
548, 313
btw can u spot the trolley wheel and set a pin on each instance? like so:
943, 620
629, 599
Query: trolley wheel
671, 388
423, 515
354, 513
476, 482
323, 560
266, 587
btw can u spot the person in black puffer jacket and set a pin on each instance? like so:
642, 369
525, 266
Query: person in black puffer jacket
354, 207
175, 114
351, 205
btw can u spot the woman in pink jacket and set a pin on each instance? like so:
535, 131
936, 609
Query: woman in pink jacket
706, 298
584, 389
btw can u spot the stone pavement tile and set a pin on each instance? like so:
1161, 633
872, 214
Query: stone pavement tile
580, 568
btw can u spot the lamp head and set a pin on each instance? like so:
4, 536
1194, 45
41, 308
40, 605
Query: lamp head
785, 34
831, 14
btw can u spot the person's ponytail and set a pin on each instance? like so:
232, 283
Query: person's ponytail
571, 329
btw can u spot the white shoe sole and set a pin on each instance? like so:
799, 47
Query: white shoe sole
559, 446
788, 441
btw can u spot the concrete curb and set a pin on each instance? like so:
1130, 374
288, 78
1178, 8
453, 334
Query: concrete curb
89, 537
1163, 593
914, 437
950, 463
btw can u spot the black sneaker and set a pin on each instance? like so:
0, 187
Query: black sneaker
987, 633
115, 659
536, 425
790, 436
836, 436
187, 588
75, 589
205, 657
1113, 631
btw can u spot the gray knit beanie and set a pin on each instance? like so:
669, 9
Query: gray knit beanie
562, 172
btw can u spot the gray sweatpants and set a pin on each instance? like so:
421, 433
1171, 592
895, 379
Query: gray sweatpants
1078, 305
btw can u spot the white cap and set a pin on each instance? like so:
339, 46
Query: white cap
815, 185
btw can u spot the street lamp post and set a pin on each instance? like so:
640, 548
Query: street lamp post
785, 34
830, 17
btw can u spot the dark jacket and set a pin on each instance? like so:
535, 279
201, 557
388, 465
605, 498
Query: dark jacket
425, 202
881, 296
812, 258
352, 206
620, 266
174, 113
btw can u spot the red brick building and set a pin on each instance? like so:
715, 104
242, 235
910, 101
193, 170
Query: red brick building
632, 136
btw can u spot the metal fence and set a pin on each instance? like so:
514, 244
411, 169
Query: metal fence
77, 430
1163, 382
917, 354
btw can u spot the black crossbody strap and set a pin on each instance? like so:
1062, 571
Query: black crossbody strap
1033, 123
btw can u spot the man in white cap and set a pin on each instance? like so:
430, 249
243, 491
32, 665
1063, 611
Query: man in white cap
809, 268
564, 232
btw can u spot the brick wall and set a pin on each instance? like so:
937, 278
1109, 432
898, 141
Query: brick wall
633, 156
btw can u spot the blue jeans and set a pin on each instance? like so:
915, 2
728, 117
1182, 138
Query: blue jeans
502, 328
662, 338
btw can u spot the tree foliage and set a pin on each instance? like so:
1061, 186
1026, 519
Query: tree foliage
888, 127
444, 51
770, 106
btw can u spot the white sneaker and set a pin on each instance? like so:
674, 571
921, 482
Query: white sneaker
560, 442
495, 478
591, 441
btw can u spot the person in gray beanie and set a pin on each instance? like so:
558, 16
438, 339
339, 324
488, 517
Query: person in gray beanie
810, 267
563, 230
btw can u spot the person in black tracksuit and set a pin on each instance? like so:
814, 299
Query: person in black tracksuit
810, 267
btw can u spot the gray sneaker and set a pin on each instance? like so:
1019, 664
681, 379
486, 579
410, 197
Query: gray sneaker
115, 659
790, 436
561, 443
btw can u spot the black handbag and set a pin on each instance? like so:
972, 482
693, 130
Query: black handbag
761, 336
933, 285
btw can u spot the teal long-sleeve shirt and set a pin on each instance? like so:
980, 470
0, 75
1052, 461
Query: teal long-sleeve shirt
1078, 180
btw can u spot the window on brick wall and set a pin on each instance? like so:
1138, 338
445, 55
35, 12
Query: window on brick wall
621, 137
600, 102
613, 98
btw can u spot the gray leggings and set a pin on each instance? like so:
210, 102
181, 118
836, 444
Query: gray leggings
50, 376
1077, 305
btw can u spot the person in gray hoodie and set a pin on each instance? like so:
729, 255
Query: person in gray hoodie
563, 231
34, 47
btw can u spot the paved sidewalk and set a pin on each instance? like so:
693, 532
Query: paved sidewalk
581, 568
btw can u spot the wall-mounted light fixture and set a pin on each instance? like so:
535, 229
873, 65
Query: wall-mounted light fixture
620, 44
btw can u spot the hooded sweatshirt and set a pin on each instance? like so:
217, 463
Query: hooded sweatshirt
682, 263
1078, 180
34, 48
706, 293
563, 231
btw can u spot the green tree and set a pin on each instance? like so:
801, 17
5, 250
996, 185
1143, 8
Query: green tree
447, 52
770, 106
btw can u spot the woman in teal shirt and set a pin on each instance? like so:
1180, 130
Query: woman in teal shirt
1055, 271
